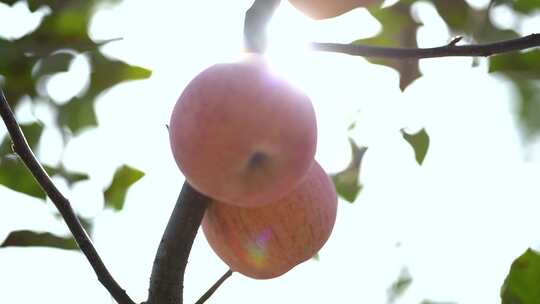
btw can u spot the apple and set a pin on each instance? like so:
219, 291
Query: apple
242, 135
323, 9
266, 242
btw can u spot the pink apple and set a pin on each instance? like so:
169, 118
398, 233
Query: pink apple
267, 241
243, 135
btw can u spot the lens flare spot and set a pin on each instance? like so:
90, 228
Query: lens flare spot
256, 250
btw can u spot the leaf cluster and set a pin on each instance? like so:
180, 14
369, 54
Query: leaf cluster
31, 60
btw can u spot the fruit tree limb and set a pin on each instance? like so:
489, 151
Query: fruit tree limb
22, 149
449, 50
167, 279
214, 287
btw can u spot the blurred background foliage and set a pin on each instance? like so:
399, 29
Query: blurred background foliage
399, 28
27, 62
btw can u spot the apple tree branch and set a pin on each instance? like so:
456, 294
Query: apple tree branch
22, 149
167, 279
449, 50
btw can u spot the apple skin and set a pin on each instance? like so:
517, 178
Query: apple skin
266, 242
241, 134
324, 9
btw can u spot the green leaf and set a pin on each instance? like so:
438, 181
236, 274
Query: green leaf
27, 238
419, 142
17, 67
398, 30
456, 14
66, 27
73, 177
347, 181
58, 62
15, 175
107, 72
13, 172
523, 69
528, 106
398, 288
115, 194
526, 6
525, 64
522, 285
9, 2
463, 19
32, 132
77, 114
69, 176
34, 5
87, 223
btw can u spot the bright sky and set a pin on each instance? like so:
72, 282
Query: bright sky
456, 223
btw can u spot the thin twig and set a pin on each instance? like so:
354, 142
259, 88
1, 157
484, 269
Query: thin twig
214, 287
449, 50
455, 40
21, 147
167, 279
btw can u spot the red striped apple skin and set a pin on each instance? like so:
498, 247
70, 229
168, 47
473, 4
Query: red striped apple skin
266, 242
242, 135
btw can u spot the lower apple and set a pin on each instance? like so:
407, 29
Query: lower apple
266, 242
